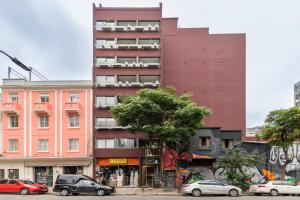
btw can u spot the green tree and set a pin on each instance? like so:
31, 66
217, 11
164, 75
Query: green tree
160, 113
235, 165
282, 129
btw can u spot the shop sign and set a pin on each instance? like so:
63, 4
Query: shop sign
118, 161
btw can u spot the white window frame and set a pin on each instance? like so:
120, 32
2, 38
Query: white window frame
13, 147
13, 98
10, 121
43, 121
74, 98
43, 145
106, 143
46, 96
106, 101
73, 147
74, 121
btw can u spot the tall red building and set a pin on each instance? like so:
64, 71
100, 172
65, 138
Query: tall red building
137, 48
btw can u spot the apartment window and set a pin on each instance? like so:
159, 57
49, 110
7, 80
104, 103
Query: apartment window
13, 121
104, 60
13, 145
204, 142
44, 99
105, 143
127, 143
148, 41
44, 121
73, 145
13, 98
2, 173
105, 43
13, 174
74, 98
74, 121
148, 23
43, 145
105, 122
227, 143
105, 101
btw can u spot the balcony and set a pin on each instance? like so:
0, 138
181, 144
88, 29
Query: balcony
11, 108
42, 108
128, 44
135, 26
72, 107
128, 62
107, 123
128, 81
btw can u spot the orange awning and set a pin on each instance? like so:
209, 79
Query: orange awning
196, 156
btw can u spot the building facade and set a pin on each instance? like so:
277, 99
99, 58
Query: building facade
46, 129
137, 48
297, 94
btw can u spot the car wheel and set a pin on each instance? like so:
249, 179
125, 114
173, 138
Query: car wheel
274, 193
233, 193
100, 192
24, 191
196, 193
64, 192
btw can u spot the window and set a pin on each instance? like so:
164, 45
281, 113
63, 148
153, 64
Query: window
44, 98
12, 181
204, 142
73, 145
105, 143
74, 98
105, 122
13, 121
13, 145
127, 143
105, 101
106, 80
13, 98
74, 121
44, 121
3, 181
227, 143
2, 173
13, 174
43, 145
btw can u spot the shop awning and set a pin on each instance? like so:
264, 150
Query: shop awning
198, 156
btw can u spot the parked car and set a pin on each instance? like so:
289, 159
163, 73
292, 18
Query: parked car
210, 187
78, 184
275, 188
21, 186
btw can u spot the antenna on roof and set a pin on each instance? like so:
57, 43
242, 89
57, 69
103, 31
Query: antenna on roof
16, 73
38, 74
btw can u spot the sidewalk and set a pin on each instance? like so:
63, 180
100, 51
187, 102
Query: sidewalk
147, 191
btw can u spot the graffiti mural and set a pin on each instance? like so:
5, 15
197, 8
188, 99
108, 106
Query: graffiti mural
277, 157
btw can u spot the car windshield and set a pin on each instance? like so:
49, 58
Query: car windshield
26, 182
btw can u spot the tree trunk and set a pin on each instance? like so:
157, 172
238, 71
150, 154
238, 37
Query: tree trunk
282, 172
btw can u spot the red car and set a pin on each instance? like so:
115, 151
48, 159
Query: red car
21, 186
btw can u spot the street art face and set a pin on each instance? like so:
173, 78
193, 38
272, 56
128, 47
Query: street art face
277, 157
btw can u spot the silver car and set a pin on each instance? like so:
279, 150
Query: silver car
210, 187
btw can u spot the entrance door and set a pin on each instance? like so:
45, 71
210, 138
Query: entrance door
44, 175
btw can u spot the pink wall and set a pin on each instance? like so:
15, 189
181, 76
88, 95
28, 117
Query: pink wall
58, 131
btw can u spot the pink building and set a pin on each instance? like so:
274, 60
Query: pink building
46, 129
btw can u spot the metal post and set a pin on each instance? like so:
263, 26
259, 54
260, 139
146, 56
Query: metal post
9, 70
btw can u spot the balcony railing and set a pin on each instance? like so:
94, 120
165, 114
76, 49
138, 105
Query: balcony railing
11, 108
129, 84
72, 107
42, 108
128, 46
108, 125
128, 64
111, 26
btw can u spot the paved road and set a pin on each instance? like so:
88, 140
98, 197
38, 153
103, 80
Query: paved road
55, 197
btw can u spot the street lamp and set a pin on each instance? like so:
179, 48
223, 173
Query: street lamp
16, 61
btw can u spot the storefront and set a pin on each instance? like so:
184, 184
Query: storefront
119, 172
44, 175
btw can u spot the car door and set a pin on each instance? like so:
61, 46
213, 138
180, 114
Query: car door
86, 186
217, 187
13, 186
3, 185
204, 187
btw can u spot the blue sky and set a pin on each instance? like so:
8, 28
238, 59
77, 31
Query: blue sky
55, 37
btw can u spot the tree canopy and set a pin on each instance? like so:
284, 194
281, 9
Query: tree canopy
235, 164
160, 113
282, 129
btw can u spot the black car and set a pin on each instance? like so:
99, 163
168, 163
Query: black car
79, 184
